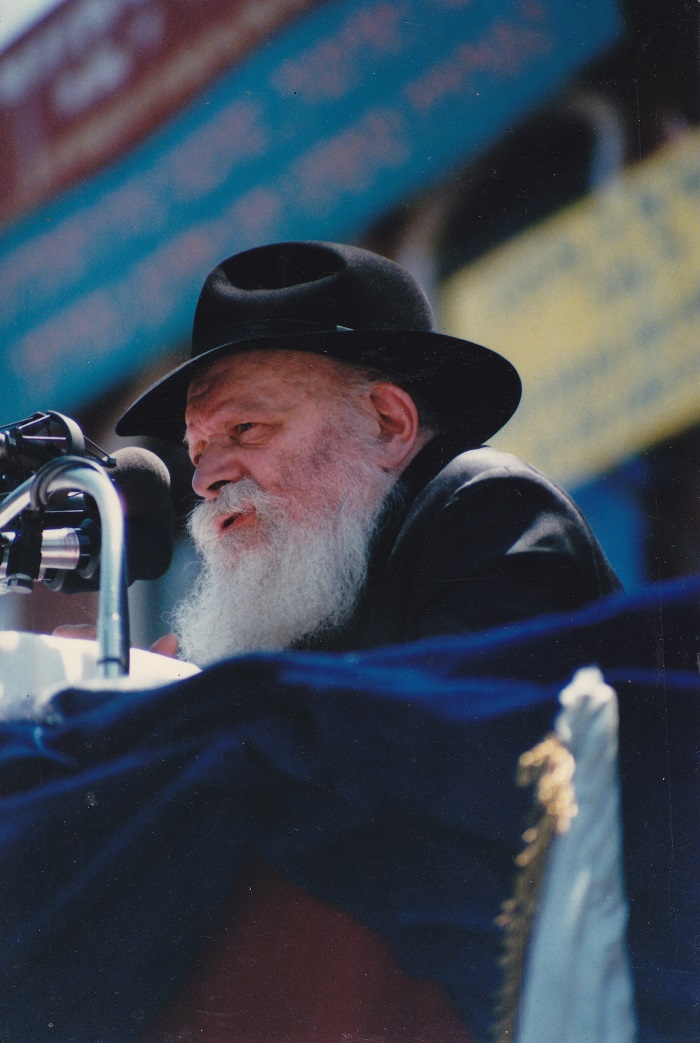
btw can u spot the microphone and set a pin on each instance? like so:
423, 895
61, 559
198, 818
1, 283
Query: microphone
144, 483
70, 554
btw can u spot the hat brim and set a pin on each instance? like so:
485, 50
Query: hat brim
473, 390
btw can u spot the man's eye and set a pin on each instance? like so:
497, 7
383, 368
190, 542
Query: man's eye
240, 429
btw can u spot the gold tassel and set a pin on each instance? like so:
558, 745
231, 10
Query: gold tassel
549, 767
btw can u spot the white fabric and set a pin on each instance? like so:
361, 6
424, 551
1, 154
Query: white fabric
34, 666
577, 986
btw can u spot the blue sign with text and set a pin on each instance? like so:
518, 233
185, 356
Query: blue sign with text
317, 134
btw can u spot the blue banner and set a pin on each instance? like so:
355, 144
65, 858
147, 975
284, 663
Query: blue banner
317, 134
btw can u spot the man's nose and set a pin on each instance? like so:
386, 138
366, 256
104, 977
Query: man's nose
216, 467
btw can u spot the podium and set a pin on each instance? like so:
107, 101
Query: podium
35, 666
380, 782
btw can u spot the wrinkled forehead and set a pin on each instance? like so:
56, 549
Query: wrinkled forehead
266, 372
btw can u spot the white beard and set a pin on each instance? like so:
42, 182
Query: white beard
271, 587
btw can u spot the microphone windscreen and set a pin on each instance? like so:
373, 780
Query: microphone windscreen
144, 483
143, 480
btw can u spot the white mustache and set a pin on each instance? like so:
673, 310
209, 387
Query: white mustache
241, 497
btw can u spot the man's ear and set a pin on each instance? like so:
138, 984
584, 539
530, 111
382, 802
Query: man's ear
397, 416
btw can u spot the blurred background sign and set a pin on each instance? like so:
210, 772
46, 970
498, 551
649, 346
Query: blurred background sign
341, 114
599, 309
94, 78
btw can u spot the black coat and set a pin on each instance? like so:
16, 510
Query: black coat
475, 541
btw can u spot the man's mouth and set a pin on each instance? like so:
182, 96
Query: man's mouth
236, 520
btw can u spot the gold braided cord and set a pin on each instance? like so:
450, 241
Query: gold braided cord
549, 768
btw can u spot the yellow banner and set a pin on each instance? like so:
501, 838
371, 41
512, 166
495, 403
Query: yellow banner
599, 309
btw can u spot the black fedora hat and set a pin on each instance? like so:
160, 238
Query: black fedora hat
346, 303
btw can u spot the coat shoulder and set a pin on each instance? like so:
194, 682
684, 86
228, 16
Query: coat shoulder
466, 474
488, 462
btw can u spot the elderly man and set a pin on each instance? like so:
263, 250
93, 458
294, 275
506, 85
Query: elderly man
347, 501
337, 439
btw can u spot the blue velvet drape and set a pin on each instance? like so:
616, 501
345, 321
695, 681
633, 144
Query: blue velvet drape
380, 781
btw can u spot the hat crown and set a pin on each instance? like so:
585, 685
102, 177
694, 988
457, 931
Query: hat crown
345, 303
324, 285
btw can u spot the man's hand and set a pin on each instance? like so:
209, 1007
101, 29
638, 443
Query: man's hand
166, 645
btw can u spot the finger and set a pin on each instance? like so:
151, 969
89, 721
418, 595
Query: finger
166, 645
80, 630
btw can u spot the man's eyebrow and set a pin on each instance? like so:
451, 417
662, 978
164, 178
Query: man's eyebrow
261, 404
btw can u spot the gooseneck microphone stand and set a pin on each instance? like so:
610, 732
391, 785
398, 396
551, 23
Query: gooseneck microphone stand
71, 474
